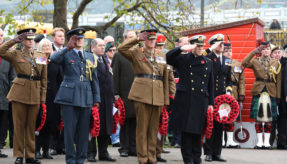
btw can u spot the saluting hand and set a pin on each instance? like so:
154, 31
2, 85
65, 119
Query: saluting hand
143, 36
215, 45
259, 49
72, 42
20, 38
187, 47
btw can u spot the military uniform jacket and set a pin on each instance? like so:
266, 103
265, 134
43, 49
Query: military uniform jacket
76, 89
273, 88
24, 90
123, 74
238, 79
6, 76
146, 90
194, 91
222, 74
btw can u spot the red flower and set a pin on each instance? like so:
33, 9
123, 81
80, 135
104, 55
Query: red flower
72, 61
144, 59
202, 61
214, 59
22, 60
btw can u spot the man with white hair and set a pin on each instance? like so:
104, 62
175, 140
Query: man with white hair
106, 106
108, 39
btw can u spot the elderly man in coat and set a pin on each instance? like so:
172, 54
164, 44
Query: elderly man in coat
78, 92
106, 106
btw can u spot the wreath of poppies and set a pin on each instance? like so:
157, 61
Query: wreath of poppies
116, 118
233, 114
209, 124
95, 122
163, 122
121, 107
43, 119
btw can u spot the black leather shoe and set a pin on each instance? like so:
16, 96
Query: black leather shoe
282, 147
38, 155
32, 161
91, 158
218, 158
132, 154
3, 155
165, 151
208, 158
107, 158
116, 145
47, 155
19, 160
124, 154
159, 159
53, 152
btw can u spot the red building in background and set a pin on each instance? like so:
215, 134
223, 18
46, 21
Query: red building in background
244, 36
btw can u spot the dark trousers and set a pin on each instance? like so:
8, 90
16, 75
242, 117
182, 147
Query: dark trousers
273, 132
57, 140
191, 148
3, 127
76, 122
282, 130
102, 146
128, 136
11, 126
213, 146
43, 140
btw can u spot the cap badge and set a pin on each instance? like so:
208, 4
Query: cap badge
200, 39
80, 32
219, 37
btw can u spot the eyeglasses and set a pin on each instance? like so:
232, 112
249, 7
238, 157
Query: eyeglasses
112, 50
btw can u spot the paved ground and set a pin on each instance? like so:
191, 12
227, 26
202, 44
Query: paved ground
233, 156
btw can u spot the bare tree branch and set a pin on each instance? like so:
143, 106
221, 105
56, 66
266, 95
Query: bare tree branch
78, 12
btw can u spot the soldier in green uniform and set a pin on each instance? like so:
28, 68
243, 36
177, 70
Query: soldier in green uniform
149, 90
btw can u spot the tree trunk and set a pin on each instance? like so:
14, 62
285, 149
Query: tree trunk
60, 14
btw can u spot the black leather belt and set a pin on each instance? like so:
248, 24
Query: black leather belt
150, 76
264, 80
35, 78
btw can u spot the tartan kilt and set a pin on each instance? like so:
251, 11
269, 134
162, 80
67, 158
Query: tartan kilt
254, 107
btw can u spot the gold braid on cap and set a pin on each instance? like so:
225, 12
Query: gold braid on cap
90, 68
274, 72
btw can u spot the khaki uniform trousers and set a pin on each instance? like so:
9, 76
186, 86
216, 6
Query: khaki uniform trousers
24, 119
159, 146
146, 131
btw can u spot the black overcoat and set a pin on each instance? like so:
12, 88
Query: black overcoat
222, 74
54, 79
123, 74
194, 91
106, 83
283, 106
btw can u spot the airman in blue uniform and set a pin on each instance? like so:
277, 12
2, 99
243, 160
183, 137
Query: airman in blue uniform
78, 92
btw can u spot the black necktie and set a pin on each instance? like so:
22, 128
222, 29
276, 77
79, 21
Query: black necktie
81, 55
100, 59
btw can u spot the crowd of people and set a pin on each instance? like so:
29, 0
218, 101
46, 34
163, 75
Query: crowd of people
70, 83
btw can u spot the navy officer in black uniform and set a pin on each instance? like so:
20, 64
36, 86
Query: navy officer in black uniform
195, 87
223, 85
78, 92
